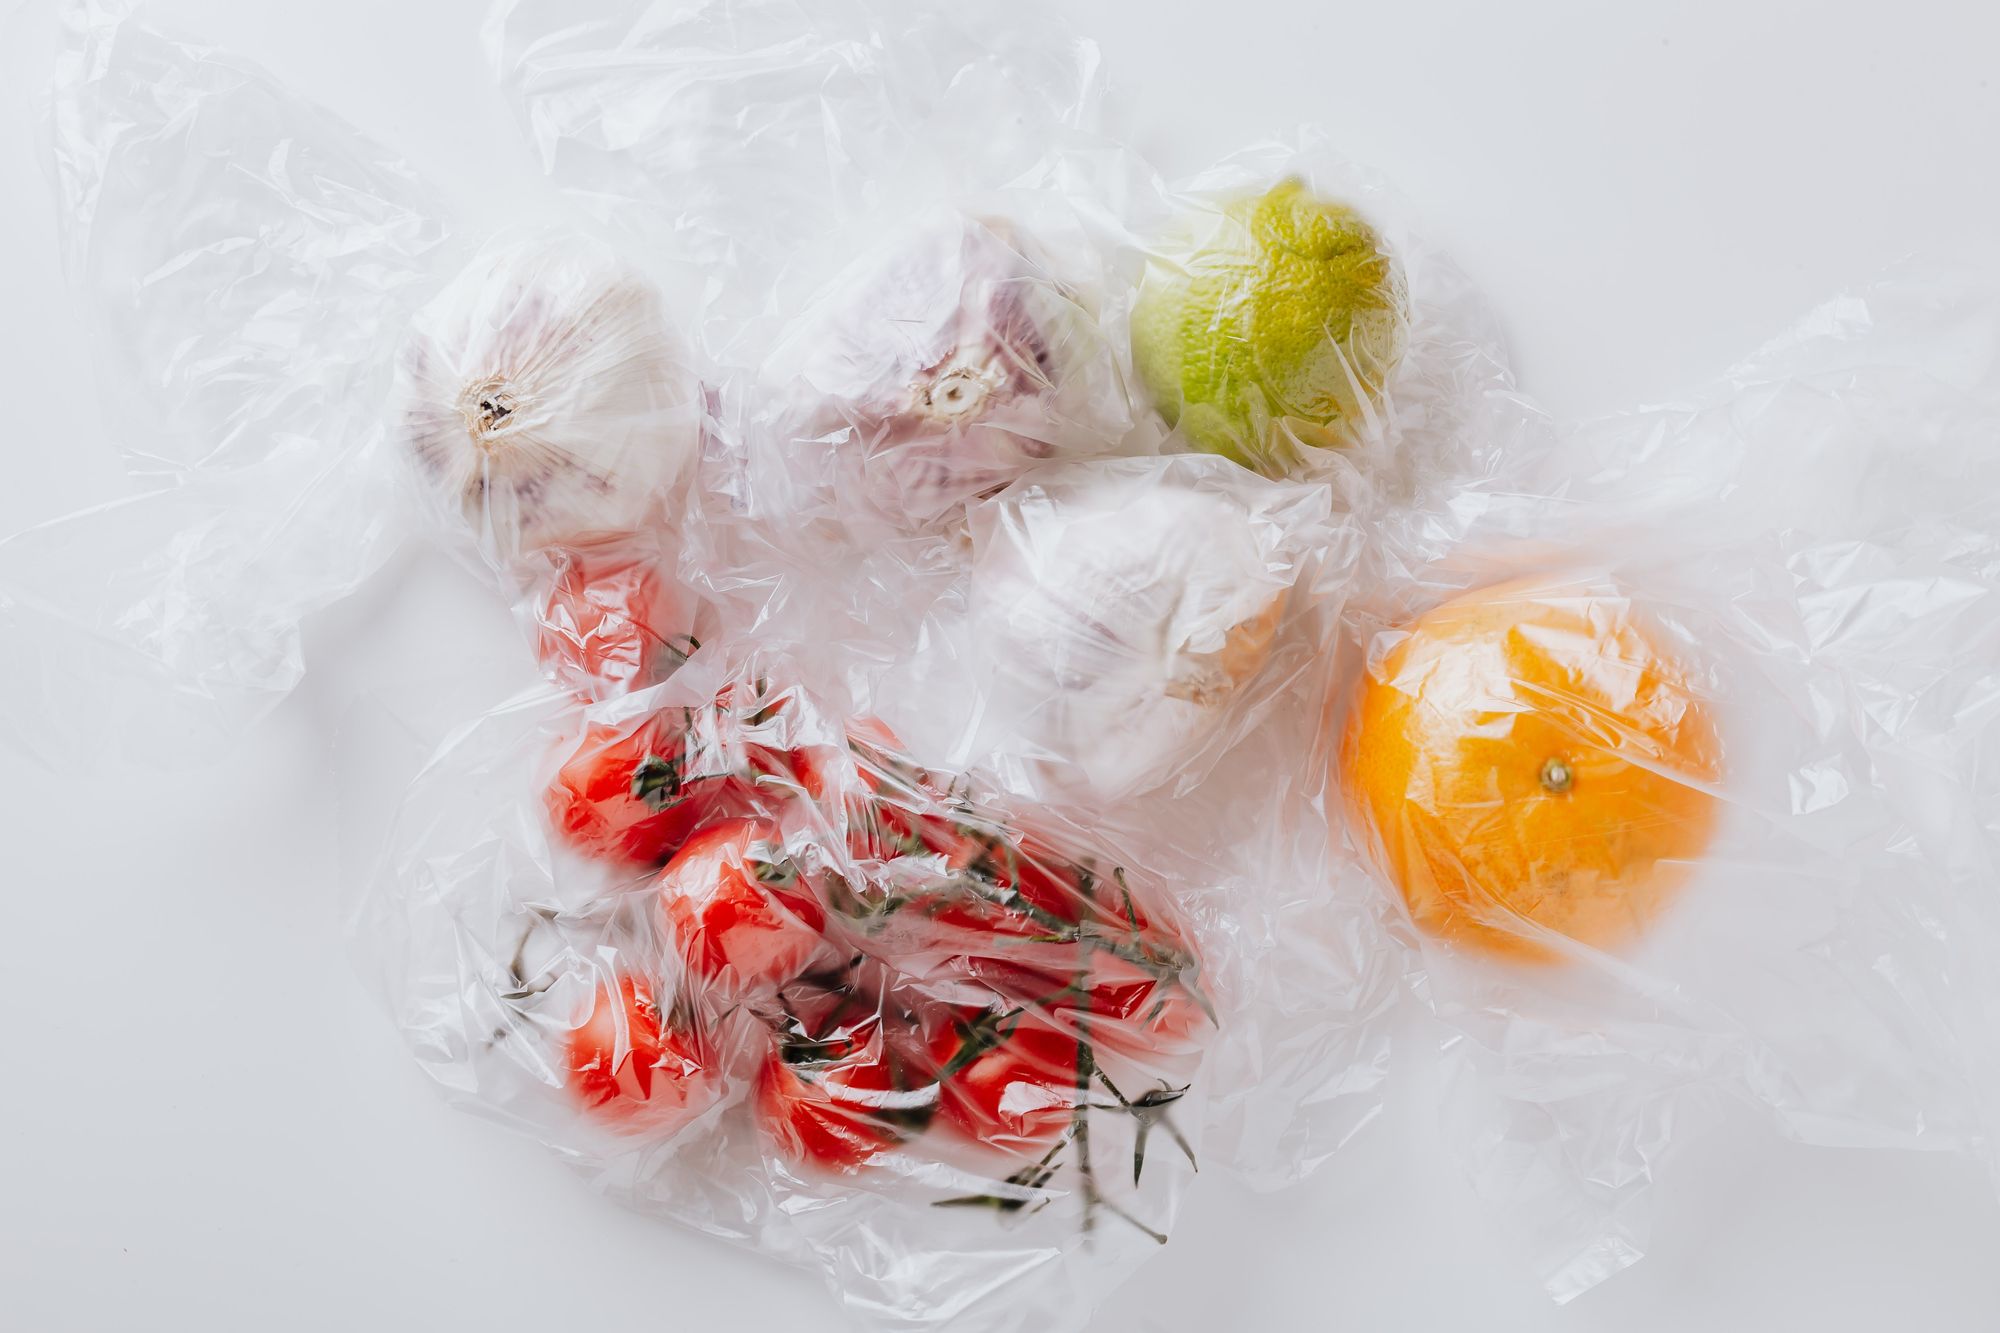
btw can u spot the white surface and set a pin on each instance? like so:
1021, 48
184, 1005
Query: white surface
208, 1125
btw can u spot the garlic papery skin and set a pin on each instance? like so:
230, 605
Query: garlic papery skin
942, 368
545, 401
1120, 615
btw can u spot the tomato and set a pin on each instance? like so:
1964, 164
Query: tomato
884, 827
1052, 888
999, 898
831, 1007
872, 738
919, 908
764, 720
629, 795
806, 767
1053, 885
825, 1121
736, 908
625, 1062
611, 625
1038, 976
899, 809
838, 1102
1151, 1015
1013, 1086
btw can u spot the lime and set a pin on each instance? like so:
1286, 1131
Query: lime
1274, 326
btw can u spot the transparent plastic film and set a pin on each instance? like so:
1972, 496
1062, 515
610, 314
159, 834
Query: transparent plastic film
778, 139
1119, 620
756, 970
546, 414
1290, 315
1681, 771
1041, 659
304, 372
241, 256
925, 468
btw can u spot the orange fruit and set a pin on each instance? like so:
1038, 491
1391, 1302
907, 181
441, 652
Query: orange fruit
1527, 760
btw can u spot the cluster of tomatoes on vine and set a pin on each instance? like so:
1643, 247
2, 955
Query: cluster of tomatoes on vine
894, 968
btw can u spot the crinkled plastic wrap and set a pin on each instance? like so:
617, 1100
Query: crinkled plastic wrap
243, 259
546, 415
264, 281
865, 1019
1040, 660
1678, 742
938, 371
1118, 622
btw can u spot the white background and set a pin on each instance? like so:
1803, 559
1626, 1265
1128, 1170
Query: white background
205, 1122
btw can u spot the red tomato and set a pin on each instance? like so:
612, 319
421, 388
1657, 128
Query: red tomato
872, 737
1054, 889
1028, 897
1018, 1095
807, 766
845, 1101
760, 717
882, 827
898, 809
627, 795
1150, 1016
625, 1062
610, 626
734, 904
1042, 976
1053, 885
833, 1007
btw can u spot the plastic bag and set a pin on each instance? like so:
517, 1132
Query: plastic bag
244, 258
865, 1020
1568, 1080
912, 113
617, 447
864, 544
945, 824
941, 372
1113, 618
1754, 639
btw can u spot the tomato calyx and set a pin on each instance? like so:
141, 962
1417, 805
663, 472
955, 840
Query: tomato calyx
657, 781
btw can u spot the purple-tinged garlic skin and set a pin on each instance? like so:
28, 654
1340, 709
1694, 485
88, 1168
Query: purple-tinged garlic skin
544, 399
944, 369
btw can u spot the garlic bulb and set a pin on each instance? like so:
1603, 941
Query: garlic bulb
1120, 617
544, 399
945, 368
